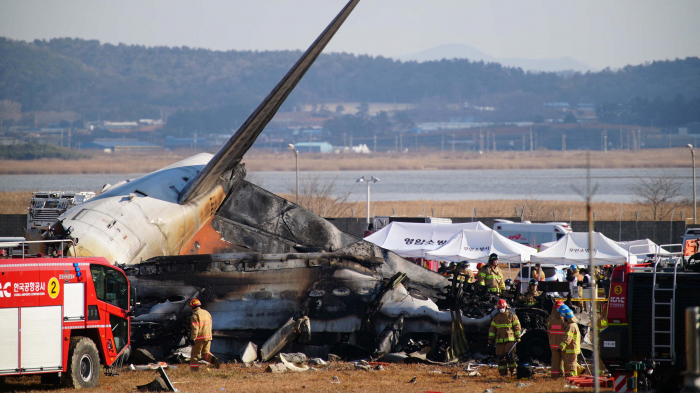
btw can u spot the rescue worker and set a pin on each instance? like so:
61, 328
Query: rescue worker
538, 273
530, 297
201, 336
466, 274
602, 322
505, 333
444, 268
555, 331
490, 276
570, 345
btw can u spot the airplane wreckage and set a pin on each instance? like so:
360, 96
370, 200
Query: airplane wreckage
270, 271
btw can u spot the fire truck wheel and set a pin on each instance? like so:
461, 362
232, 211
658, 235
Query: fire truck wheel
83, 364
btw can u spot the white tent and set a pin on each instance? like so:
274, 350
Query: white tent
478, 245
642, 247
413, 240
574, 248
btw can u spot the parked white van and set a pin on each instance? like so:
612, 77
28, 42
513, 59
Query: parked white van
531, 234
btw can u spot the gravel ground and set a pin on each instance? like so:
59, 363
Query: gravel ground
394, 378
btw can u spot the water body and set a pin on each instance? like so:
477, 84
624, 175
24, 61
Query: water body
614, 185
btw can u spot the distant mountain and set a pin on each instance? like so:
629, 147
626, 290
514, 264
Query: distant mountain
461, 51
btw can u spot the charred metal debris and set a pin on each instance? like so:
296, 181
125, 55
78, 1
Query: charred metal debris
320, 303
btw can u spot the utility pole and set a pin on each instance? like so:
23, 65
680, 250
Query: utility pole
620, 138
604, 141
563, 142
531, 139
481, 140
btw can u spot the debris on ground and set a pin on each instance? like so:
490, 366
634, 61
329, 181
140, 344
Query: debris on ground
317, 362
150, 366
413, 380
333, 358
379, 367
335, 379
157, 385
276, 368
296, 358
522, 385
488, 391
249, 353
160, 384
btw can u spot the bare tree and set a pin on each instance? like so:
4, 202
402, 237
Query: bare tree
536, 210
319, 196
660, 194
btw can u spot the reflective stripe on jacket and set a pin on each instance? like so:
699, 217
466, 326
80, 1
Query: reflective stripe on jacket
492, 278
201, 325
572, 339
531, 297
505, 327
555, 330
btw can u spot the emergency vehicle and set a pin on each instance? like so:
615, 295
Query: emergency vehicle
644, 344
531, 234
61, 317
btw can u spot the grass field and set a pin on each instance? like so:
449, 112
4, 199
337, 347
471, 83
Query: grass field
535, 210
395, 378
142, 162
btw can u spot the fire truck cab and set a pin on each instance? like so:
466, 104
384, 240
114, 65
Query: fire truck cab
61, 317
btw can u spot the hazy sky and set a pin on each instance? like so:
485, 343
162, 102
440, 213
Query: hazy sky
600, 33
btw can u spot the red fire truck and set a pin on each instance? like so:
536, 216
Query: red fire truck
61, 317
644, 344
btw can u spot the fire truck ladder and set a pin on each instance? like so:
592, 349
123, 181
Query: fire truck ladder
663, 350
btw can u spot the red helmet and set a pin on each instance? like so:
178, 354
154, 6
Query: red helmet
502, 303
479, 265
558, 303
195, 303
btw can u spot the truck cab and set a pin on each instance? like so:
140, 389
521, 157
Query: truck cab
62, 317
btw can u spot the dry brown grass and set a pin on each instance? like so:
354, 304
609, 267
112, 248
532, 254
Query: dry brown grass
258, 161
234, 378
14, 202
535, 210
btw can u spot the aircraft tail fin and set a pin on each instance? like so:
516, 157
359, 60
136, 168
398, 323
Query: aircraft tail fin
234, 149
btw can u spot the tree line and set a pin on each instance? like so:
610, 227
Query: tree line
119, 81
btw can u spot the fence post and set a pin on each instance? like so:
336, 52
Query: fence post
352, 210
670, 229
619, 235
432, 209
554, 213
